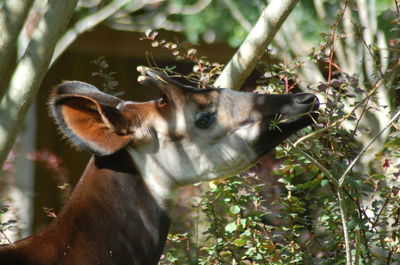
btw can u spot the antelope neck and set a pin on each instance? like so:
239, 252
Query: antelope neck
111, 218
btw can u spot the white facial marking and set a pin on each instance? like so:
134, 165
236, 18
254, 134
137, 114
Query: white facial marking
182, 152
178, 163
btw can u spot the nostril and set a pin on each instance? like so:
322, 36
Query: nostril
306, 98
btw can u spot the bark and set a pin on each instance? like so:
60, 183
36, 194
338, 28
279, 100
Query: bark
21, 194
12, 18
30, 71
245, 59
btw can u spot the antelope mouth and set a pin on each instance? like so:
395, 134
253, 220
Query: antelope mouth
306, 114
308, 118
282, 126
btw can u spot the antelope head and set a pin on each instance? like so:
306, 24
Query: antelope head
186, 136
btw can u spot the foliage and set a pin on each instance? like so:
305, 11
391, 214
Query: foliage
6, 225
109, 84
204, 23
331, 209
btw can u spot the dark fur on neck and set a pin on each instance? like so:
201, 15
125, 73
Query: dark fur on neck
110, 219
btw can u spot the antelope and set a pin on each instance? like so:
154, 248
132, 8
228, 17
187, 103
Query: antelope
143, 152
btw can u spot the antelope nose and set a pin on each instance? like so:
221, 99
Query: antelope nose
307, 99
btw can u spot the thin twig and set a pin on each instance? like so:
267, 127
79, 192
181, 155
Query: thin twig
6, 237
271, 241
375, 223
358, 246
343, 215
188, 9
362, 214
332, 51
342, 206
338, 184
368, 48
313, 160
359, 119
378, 84
238, 15
343, 177
397, 10
88, 23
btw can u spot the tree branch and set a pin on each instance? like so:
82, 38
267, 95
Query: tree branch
245, 59
12, 17
86, 24
343, 215
343, 177
188, 10
339, 194
30, 72
388, 76
238, 15
160, 20
328, 174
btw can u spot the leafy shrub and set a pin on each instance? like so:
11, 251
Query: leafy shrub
338, 198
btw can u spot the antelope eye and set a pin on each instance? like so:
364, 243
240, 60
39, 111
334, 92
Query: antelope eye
204, 119
163, 101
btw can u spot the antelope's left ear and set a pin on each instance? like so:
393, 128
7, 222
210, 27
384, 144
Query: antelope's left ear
90, 118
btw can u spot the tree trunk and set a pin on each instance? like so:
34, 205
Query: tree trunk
30, 71
12, 19
245, 59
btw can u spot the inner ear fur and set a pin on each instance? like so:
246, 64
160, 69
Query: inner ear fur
89, 118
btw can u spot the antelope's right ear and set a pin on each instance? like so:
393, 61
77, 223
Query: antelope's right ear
90, 118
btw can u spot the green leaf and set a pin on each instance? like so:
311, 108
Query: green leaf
231, 227
324, 182
378, 176
352, 224
234, 209
324, 218
243, 222
240, 242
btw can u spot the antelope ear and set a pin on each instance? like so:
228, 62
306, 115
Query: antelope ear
89, 118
